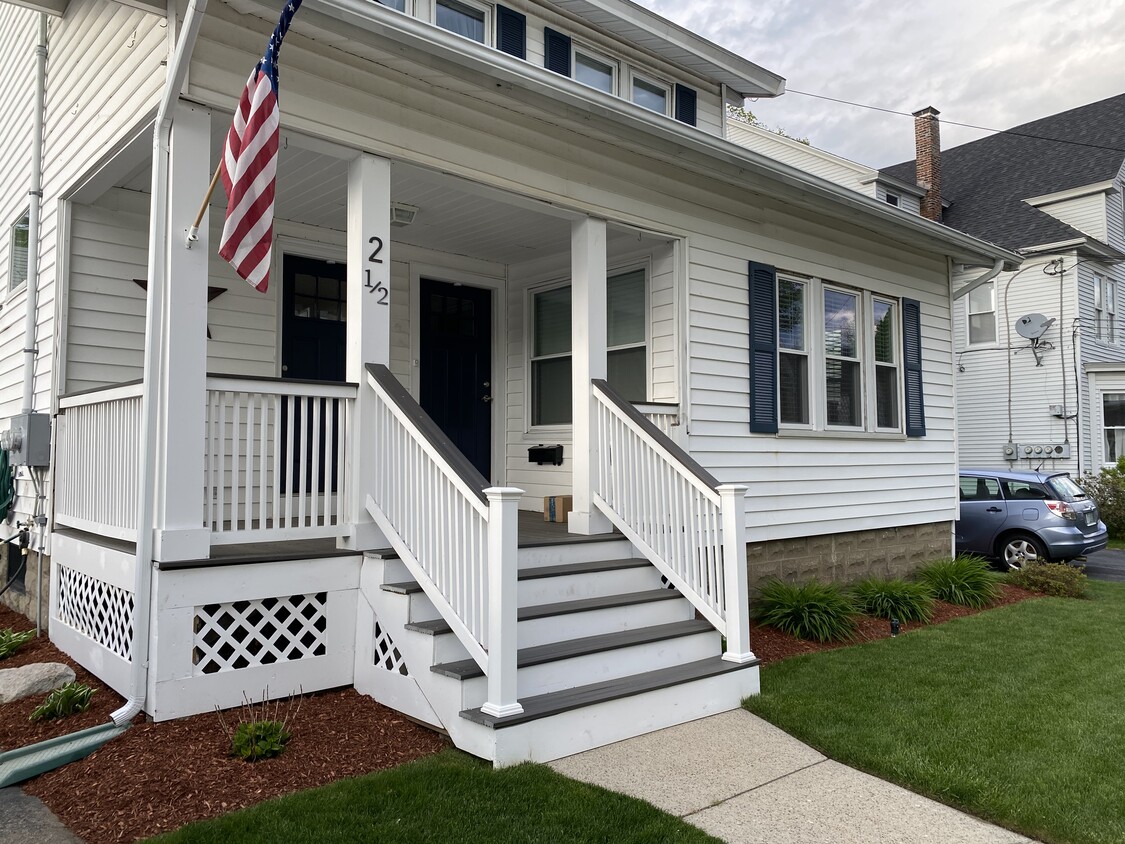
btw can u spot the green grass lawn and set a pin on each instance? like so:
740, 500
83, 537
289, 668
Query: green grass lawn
448, 798
1117, 544
1015, 715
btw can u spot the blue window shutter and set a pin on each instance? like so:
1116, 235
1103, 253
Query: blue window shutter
763, 348
556, 51
511, 32
912, 360
685, 104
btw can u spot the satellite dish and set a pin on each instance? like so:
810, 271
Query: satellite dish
1033, 326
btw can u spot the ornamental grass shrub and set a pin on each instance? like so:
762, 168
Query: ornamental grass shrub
10, 641
64, 701
894, 598
1056, 579
964, 580
822, 612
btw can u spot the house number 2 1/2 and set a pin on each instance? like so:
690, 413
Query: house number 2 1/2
376, 287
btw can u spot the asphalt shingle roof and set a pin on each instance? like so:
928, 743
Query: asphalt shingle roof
986, 181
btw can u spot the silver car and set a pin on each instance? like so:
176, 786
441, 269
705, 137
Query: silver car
1020, 517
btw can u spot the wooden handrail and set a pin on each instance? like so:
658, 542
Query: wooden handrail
456, 460
662, 439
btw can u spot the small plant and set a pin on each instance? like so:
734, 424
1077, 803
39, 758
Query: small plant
1107, 488
964, 580
1057, 579
813, 610
262, 730
64, 701
894, 598
10, 642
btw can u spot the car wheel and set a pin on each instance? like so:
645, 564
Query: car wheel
1020, 549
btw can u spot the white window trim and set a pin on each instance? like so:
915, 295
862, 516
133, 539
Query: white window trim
15, 288
596, 55
865, 347
892, 199
1105, 309
565, 431
1102, 444
635, 74
969, 313
489, 35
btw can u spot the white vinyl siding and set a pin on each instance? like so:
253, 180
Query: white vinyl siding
1085, 213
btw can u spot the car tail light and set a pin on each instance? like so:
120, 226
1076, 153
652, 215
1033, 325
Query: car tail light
1061, 508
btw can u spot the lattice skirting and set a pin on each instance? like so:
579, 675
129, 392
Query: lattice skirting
245, 634
387, 655
97, 610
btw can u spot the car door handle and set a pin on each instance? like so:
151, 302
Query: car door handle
994, 510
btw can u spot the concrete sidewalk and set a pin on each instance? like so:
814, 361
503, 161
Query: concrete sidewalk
745, 781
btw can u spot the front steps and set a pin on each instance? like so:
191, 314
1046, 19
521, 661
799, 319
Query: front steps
606, 652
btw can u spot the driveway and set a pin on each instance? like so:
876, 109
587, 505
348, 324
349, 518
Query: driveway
1106, 565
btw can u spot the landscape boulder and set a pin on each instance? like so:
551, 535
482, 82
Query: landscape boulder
37, 679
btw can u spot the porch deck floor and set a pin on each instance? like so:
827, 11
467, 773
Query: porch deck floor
533, 532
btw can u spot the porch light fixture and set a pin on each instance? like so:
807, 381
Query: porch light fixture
402, 214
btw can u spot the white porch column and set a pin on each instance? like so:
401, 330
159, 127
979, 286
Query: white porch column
503, 600
369, 330
588, 360
182, 389
733, 498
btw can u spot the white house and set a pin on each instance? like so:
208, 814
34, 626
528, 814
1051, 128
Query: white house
514, 257
1040, 353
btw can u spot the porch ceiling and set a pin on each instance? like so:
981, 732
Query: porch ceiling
453, 216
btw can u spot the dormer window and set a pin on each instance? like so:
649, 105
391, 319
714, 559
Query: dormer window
463, 19
595, 71
892, 199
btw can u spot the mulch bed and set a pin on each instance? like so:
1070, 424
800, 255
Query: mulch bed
157, 777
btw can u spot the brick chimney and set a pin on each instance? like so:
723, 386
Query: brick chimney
927, 160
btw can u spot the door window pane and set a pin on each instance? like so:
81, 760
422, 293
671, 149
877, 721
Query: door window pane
652, 97
461, 19
593, 72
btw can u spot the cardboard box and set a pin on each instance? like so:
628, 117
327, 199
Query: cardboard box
556, 508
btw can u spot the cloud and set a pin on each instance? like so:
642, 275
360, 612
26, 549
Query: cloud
984, 63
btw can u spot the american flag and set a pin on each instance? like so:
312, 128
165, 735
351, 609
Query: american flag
249, 166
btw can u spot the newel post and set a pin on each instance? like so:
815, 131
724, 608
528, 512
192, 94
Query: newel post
503, 600
733, 502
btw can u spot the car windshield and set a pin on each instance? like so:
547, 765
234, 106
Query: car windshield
1065, 489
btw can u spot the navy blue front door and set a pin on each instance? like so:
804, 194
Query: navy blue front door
455, 386
313, 342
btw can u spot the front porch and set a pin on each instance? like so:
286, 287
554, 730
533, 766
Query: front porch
363, 438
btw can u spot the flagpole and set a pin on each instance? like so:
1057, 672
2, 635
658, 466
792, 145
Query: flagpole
193, 232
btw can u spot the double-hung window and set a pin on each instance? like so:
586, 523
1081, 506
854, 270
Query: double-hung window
982, 315
18, 245
886, 361
1105, 295
1113, 426
595, 70
650, 94
626, 341
793, 351
465, 19
843, 390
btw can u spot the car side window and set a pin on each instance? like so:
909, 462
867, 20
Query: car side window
1023, 491
979, 489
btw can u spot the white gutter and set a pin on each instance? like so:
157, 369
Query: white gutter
34, 211
154, 334
966, 289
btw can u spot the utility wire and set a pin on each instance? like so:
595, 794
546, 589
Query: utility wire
956, 123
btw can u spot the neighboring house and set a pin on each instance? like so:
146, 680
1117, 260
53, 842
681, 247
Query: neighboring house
514, 257
1051, 190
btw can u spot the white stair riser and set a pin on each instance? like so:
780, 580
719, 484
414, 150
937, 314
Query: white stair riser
577, 625
579, 552
559, 628
395, 571
594, 668
573, 587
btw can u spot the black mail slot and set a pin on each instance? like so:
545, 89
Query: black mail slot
541, 454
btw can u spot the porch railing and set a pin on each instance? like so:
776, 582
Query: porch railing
666, 418
274, 458
98, 454
691, 527
456, 535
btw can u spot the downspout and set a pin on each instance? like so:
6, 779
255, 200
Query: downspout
34, 212
154, 320
969, 287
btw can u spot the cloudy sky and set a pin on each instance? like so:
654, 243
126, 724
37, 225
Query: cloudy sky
993, 63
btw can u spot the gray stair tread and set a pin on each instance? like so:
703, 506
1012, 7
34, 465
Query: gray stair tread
410, 587
439, 625
554, 703
465, 669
